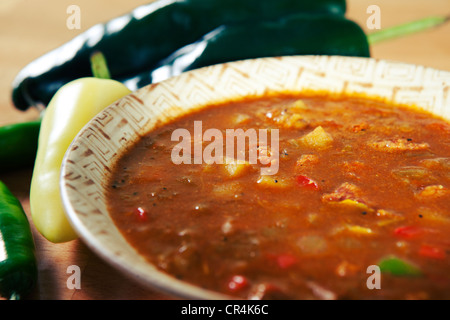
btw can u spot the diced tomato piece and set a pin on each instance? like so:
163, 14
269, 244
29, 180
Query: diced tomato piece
409, 232
432, 252
141, 214
306, 182
286, 260
237, 283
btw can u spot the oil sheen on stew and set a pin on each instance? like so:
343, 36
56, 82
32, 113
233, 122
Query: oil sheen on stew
359, 207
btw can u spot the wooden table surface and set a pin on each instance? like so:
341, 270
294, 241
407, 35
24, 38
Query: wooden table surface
29, 29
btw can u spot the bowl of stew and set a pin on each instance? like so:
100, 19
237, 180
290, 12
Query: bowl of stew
301, 177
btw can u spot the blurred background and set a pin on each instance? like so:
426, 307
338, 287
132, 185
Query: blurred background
31, 28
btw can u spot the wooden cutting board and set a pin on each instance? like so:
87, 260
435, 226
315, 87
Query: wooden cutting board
29, 29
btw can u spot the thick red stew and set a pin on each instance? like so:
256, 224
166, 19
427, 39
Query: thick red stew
356, 204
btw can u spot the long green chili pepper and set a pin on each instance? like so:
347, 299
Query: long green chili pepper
294, 35
18, 145
407, 28
18, 266
139, 40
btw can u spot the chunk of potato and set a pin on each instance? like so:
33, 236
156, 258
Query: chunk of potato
288, 120
241, 118
236, 168
298, 106
317, 139
285, 118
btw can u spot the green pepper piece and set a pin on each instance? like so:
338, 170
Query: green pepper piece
398, 267
18, 145
294, 35
139, 40
18, 266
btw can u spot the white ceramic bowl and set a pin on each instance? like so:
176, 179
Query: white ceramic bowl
104, 139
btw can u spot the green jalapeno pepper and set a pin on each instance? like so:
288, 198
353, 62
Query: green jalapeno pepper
293, 35
18, 266
18, 145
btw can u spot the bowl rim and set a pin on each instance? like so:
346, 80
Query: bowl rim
158, 280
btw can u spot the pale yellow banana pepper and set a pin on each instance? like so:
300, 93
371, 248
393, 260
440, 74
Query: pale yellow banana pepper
71, 108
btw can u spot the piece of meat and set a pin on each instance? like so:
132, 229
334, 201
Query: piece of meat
398, 145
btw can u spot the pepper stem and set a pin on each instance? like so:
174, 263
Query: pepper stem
99, 66
406, 29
